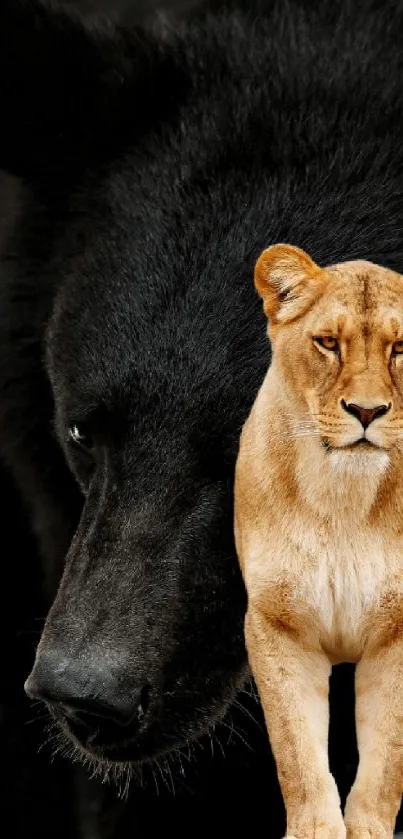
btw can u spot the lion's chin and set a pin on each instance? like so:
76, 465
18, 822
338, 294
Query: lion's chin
359, 458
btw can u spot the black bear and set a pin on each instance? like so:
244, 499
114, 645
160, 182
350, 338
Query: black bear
156, 161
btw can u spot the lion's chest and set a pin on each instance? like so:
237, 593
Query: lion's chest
345, 586
342, 576
329, 580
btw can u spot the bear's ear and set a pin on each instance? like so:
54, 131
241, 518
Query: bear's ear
288, 281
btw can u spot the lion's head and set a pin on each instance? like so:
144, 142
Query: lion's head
337, 336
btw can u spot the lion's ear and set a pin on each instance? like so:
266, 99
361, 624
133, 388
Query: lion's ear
288, 281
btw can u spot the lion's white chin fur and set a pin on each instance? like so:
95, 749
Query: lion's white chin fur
359, 462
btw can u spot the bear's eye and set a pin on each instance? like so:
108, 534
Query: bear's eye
327, 342
398, 348
81, 437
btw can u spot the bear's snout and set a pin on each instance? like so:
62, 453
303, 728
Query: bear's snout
88, 699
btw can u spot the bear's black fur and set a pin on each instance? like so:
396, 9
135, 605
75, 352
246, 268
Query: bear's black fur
157, 161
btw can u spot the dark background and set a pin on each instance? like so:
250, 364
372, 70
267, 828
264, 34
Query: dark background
229, 782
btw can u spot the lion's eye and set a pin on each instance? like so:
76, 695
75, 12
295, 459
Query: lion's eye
80, 436
398, 348
327, 342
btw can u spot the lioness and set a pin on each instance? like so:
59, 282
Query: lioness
319, 533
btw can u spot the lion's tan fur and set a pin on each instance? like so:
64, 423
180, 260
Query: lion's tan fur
319, 534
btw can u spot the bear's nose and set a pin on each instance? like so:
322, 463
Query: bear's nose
85, 692
365, 415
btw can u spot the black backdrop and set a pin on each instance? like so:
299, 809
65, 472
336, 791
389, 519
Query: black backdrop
230, 782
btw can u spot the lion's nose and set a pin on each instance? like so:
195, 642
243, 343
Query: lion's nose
365, 415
